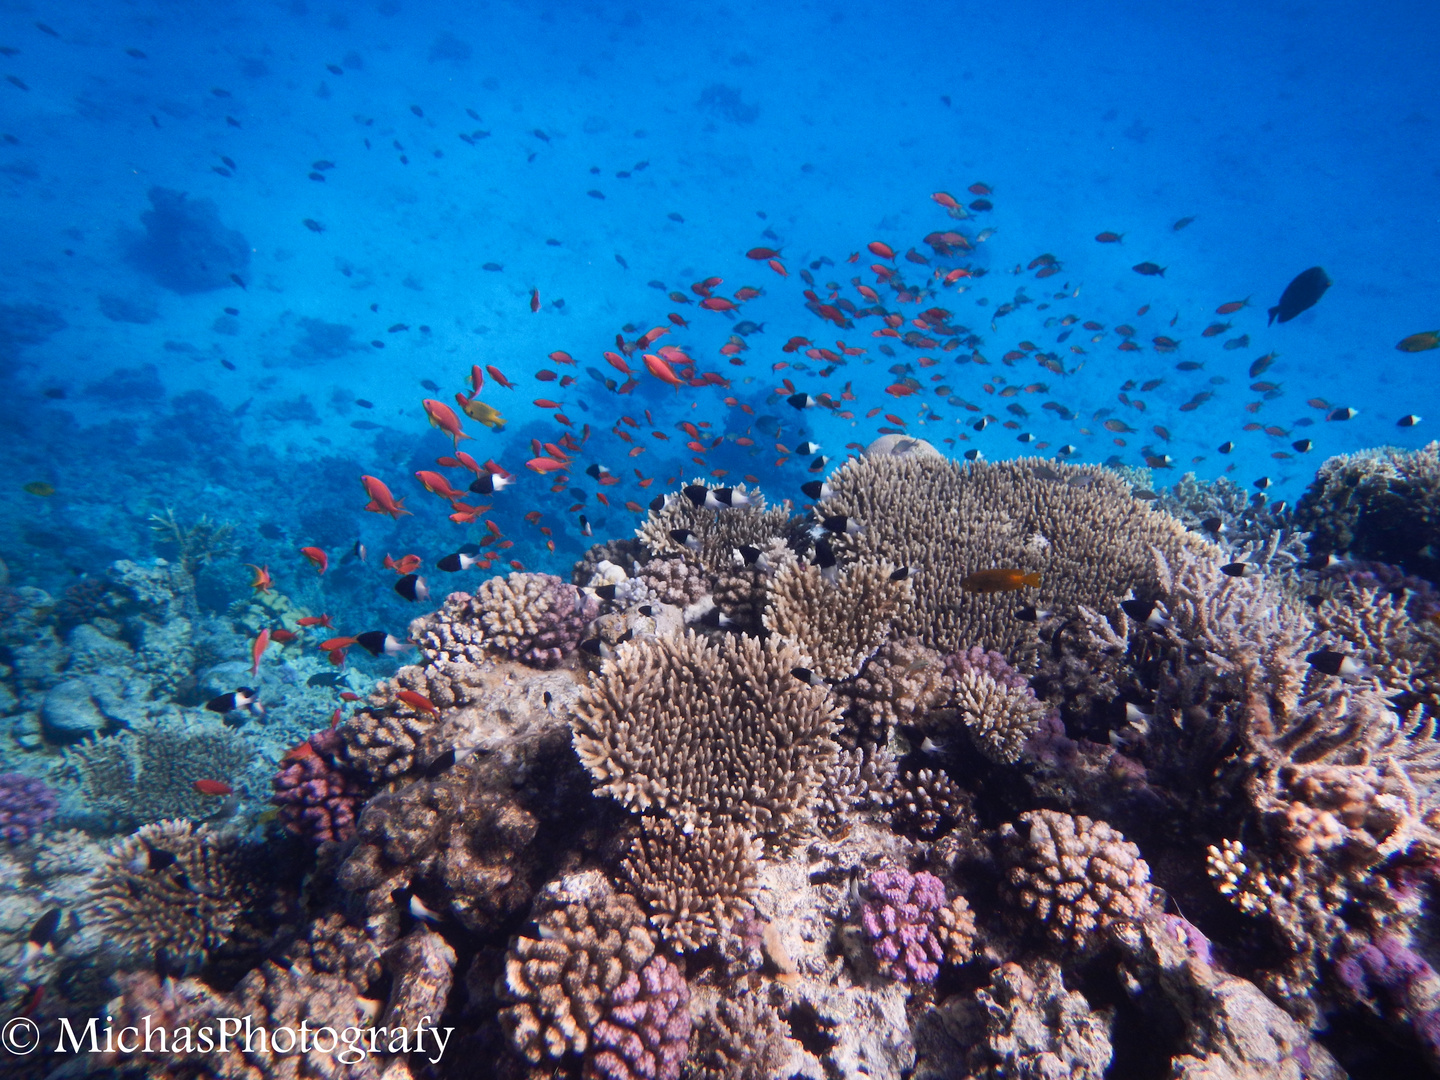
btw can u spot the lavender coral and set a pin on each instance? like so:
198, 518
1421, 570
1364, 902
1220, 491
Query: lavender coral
26, 805
899, 914
318, 799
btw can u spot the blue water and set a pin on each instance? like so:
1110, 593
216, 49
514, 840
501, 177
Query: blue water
1294, 136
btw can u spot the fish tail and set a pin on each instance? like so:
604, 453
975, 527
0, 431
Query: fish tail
1273, 312
1032, 579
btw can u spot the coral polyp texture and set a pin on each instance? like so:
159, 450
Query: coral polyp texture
593, 983
1076, 878
695, 884
27, 804
317, 799
708, 731
1077, 526
838, 625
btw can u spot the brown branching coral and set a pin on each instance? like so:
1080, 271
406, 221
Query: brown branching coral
708, 730
1376, 627
929, 801
1089, 538
902, 682
838, 626
740, 1039
999, 716
590, 974
695, 884
674, 581
167, 894
717, 532
1076, 877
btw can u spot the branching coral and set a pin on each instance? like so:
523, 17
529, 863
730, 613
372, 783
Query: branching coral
534, 618
717, 531
593, 983
167, 894
1088, 537
1076, 877
695, 884
708, 731
149, 774
1001, 717
900, 684
837, 626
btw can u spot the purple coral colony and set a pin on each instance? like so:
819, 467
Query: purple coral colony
606, 749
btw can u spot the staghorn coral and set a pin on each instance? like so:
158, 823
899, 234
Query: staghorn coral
1077, 878
537, 619
718, 532
27, 804
196, 545
167, 894
146, 775
898, 914
708, 730
1253, 530
837, 626
1089, 538
1401, 653
1378, 504
592, 983
695, 884
318, 800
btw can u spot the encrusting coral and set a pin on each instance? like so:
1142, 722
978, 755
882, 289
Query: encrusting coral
708, 731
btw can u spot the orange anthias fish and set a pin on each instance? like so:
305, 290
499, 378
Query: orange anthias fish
316, 556
881, 250
212, 787
262, 581
534, 300
334, 643
314, 620
444, 418
418, 701
1430, 339
1000, 580
718, 303
381, 501
436, 484
546, 465
662, 370
257, 650
407, 564
498, 377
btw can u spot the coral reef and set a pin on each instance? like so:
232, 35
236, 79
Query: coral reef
146, 775
996, 705
27, 804
695, 884
836, 626
1076, 878
317, 799
593, 983
708, 731
899, 914
185, 247
166, 895
1079, 527
1378, 504
534, 618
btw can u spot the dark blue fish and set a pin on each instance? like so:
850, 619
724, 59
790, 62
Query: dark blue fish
1301, 294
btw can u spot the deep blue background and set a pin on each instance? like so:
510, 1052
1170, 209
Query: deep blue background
1294, 134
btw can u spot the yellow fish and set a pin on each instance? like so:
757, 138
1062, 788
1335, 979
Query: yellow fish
1003, 580
485, 414
1430, 339
39, 487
